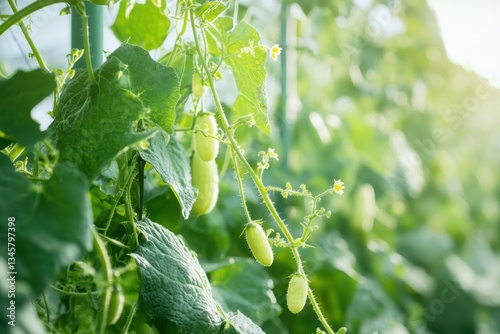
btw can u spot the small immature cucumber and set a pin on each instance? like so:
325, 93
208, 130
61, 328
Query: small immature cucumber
205, 178
206, 147
259, 244
365, 208
297, 293
115, 306
197, 85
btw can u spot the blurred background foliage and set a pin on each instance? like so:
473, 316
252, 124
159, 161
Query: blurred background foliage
412, 246
372, 99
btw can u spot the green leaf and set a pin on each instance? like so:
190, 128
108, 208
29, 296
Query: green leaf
19, 95
244, 285
146, 25
52, 225
169, 159
424, 247
210, 10
476, 271
371, 310
247, 58
156, 85
94, 123
204, 232
174, 286
372, 144
241, 324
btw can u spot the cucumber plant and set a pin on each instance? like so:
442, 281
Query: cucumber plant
121, 136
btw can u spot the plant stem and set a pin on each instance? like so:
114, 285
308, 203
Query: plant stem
74, 294
117, 200
318, 312
257, 181
31, 8
46, 305
86, 46
129, 318
234, 144
240, 186
15, 152
28, 38
102, 252
129, 212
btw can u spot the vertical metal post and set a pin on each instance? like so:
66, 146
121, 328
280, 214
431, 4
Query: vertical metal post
283, 103
94, 13
281, 113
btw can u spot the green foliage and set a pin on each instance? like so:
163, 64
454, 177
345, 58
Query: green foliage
169, 159
51, 229
129, 82
142, 24
156, 85
246, 57
84, 129
174, 286
241, 284
411, 247
19, 95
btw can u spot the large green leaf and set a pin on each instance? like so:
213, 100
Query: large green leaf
19, 95
145, 25
240, 324
52, 225
244, 285
94, 123
169, 158
175, 287
247, 58
210, 10
156, 85
371, 310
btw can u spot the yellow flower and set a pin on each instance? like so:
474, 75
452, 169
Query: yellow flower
338, 187
272, 154
275, 51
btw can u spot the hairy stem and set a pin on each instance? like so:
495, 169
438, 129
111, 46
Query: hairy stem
27, 36
129, 319
257, 181
74, 294
318, 312
31, 8
86, 47
102, 252
234, 144
129, 212
240, 186
46, 305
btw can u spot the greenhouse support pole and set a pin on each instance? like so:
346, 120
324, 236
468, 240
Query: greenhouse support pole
283, 103
281, 112
94, 13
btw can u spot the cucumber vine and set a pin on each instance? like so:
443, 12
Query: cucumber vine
257, 179
130, 179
